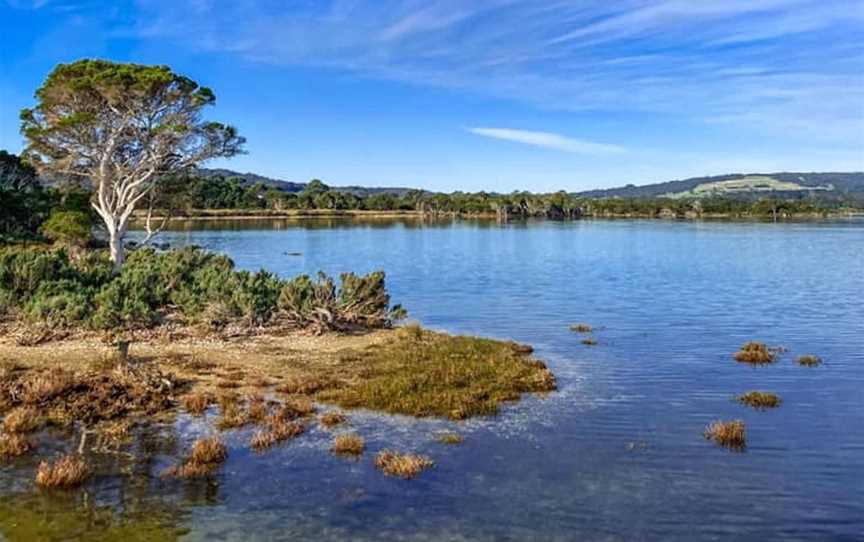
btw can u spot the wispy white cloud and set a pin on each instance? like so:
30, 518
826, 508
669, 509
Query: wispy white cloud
548, 140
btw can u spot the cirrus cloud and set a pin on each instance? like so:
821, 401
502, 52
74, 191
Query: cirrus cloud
548, 140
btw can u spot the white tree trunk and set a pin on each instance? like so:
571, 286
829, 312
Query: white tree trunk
116, 233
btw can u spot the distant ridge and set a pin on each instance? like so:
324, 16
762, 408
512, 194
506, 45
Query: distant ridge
293, 187
745, 185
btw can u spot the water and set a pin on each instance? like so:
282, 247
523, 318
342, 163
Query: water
617, 453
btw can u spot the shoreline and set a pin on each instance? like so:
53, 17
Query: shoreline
205, 215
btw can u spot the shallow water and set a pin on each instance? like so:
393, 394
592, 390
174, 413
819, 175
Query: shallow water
617, 453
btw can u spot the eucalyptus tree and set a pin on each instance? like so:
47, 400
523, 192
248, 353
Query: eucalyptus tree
125, 128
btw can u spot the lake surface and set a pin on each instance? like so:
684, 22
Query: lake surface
617, 453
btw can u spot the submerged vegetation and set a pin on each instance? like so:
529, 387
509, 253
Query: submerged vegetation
730, 434
402, 465
809, 360
450, 437
440, 375
759, 399
581, 328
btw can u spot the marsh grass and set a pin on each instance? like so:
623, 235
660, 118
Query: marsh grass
349, 445
755, 352
450, 438
257, 409
581, 328
439, 375
66, 472
205, 456
278, 430
25, 419
305, 384
809, 360
759, 399
393, 463
588, 341
232, 417
333, 418
13, 445
730, 434
196, 403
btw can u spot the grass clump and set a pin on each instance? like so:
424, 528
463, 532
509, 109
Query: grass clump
67, 472
205, 456
24, 419
809, 360
393, 463
450, 438
232, 417
730, 434
581, 328
759, 399
13, 445
332, 419
440, 375
196, 403
755, 352
349, 445
588, 341
278, 431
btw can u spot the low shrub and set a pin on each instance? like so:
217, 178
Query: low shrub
72, 228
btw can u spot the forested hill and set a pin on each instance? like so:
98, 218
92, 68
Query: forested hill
293, 187
826, 185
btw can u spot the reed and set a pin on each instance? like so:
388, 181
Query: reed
66, 472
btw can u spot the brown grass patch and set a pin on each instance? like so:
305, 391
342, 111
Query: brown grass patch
759, 399
349, 445
450, 438
13, 445
809, 360
228, 384
196, 403
24, 419
232, 417
394, 463
333, 418
305, 384
755, 352
205, 456
67, 472
581, 328
730, 434
439, 375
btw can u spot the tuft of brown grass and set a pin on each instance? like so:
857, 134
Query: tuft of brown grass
305, 384
13, 445
730, 434
755, 352
286, 430
196, 403
589, 342
349, 445
809, 360
262, 440
442, 375
333, 418
205, 456
759, 399
22, 420
67, 472
450, 438
232, 417
208, 451
581, 328
278, 430
394, 463
45, 386
257, 409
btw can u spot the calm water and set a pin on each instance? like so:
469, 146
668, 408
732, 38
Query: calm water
617, 453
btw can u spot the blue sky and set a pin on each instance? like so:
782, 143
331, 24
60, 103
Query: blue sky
484, 94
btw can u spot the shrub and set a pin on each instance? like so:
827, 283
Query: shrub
72, 228
60, 303
23, 270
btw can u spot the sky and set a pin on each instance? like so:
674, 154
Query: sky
493, 95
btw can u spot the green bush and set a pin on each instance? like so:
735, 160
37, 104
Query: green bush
71, 228
60, 303
23, 270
